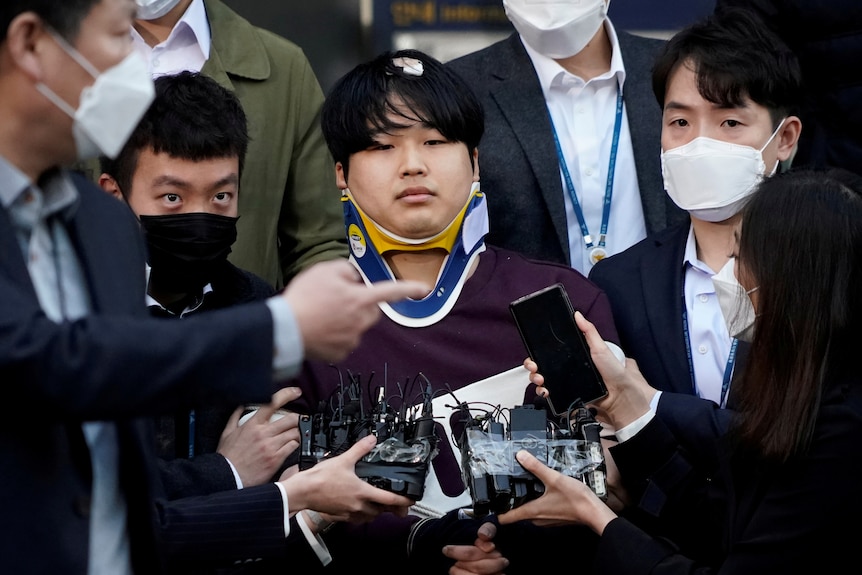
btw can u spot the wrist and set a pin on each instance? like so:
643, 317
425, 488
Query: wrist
318, 523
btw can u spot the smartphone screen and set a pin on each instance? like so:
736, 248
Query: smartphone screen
553, 340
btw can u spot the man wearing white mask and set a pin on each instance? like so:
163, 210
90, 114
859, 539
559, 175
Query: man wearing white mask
78, 351
291, 217
728, 89
573, 134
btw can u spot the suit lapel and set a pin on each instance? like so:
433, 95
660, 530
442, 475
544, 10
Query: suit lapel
520, 98
666, 320
11, 259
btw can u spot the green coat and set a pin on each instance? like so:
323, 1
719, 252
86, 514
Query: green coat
290, 213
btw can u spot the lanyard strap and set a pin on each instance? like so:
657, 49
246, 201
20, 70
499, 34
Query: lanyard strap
728, 368
609, 185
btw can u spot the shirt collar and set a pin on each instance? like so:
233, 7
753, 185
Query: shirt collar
551, 74
194, 22
13, 183
196, 303
57, 190
690, 257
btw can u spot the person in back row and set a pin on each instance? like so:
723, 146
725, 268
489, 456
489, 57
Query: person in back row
571, 146
404, 132
290, 217
729, 89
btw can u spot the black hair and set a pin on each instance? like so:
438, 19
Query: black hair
734, 56
801, 246
192, 117
361, 102
64, 16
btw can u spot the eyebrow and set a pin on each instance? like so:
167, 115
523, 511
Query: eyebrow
166, 180
676, 106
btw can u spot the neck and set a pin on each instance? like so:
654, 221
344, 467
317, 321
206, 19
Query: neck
594, 60
157, 31
421, 266
714, 240
28, 138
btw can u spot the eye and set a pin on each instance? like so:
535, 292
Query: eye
172, 198
222, 196
732, 123
680, 123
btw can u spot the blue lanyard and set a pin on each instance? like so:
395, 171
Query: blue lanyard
728, 368
599, 252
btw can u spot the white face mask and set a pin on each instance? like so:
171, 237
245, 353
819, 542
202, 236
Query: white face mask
152, 9
736, 306
712, 179
557, 28
110, 109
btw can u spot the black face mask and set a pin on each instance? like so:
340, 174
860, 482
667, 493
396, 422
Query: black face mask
185, 249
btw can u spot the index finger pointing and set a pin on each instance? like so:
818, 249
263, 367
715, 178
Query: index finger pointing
397, 290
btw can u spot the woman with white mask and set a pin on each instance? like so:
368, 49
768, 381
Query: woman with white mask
728, 89
761, 487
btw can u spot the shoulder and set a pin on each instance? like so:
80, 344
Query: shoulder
653, 248
476, 61
241, 286
540, 273
635, 42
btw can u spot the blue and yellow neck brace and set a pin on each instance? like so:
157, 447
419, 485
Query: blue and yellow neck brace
463, 240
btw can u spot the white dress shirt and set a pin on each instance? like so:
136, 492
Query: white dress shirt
186, 48
707, 330
583, 115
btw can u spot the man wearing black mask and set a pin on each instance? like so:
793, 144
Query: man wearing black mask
179, 173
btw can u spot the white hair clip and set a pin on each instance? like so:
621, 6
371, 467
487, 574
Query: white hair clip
410, 66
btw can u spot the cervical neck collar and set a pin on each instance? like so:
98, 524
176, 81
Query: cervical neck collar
463, 240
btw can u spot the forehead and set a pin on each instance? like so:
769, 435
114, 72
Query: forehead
682, 93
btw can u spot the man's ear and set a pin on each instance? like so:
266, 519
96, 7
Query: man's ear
25, 41
476, 164
110, 185
788, 137
340, 177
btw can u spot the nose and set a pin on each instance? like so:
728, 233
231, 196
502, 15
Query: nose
413, 161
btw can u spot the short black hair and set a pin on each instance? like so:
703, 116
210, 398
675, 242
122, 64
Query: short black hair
359, 104
64, 16
734, 56
192, 117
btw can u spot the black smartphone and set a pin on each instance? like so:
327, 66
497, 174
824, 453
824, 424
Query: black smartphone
546, 322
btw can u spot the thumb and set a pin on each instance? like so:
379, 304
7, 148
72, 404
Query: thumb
529, 462
233, 421
361, 448
285, 395
487, 531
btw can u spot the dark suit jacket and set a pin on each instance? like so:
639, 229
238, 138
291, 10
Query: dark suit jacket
644, 285
728, 511
115, 364
520, 172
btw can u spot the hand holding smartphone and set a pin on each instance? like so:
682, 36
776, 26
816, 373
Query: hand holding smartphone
546, 322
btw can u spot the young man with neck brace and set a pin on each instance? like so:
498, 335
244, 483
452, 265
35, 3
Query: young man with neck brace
403, 130
728, 90
573, 134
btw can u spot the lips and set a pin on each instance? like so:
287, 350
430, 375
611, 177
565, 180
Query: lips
415, 194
